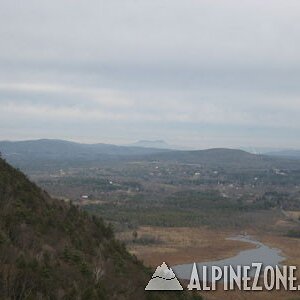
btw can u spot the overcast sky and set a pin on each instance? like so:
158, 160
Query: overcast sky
195, 73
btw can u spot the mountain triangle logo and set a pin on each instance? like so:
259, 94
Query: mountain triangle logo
164, 279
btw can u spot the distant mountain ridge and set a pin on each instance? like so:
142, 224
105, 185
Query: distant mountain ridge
54, 147
49, 154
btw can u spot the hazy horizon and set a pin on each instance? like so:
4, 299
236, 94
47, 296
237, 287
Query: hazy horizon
136, 143
197, 74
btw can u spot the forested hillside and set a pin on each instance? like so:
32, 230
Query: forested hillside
51, 250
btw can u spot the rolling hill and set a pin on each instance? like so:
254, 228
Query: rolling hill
225, 158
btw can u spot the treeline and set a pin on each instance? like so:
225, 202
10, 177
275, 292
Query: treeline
185, 208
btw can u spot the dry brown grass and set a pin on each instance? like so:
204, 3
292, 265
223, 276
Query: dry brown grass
295, 215
183, 245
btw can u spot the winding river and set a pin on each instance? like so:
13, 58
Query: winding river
261, 253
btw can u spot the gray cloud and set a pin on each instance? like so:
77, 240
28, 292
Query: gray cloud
192, 72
